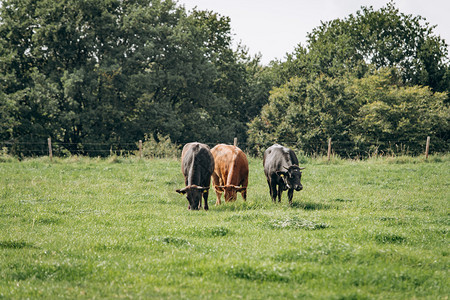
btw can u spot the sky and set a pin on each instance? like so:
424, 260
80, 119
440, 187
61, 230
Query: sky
273, 28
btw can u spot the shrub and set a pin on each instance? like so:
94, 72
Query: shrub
5, 156
160, 148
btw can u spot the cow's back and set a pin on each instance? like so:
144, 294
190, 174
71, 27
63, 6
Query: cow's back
276, 157
231, 164
197, 162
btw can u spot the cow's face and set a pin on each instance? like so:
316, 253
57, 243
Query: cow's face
193, 195
230, 191
292, 178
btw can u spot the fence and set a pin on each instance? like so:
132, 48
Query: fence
328, 148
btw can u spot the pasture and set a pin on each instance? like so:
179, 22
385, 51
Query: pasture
116, 228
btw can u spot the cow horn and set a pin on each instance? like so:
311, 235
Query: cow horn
227, 186
200, 187
181, 190
300, 168
296, 166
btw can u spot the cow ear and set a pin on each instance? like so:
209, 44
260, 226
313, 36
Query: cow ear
280, 173
181, 191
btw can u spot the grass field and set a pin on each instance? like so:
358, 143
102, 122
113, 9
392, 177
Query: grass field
115, 228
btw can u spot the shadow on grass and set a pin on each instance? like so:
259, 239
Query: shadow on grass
216, 231
252, 273
173, 241
342, 200
16, 245
47, 221
312, 206
388, 238
48, 271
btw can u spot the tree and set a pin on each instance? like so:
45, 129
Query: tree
380, 38
109, 71
355, 113
394, 59
303, 114
391, 115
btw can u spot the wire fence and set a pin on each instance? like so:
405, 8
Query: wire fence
318, 148
64, 148
361, 149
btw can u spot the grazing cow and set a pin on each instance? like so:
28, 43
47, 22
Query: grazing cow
282, 170
197, 165
230, 172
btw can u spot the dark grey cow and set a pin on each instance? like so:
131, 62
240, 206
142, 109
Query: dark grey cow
282, 171
197, 165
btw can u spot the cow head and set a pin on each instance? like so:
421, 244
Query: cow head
193, 194
230, 191
292, 177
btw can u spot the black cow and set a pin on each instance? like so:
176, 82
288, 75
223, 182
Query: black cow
282, 170
197, 165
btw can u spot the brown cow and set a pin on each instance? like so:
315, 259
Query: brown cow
230, 172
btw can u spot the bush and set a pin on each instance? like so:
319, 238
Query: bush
161, 148
368, 116
5, 156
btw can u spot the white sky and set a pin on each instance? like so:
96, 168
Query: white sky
275, 27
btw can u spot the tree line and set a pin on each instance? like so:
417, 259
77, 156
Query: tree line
87, 72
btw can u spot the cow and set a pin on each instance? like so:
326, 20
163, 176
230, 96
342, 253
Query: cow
230, 173
197, 166
282, 171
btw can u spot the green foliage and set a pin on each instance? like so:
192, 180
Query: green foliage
89, 228
303, 115
107, 72
5, 156
162, 148
356, 113
95, 73
381, 38
375, 82
399, 113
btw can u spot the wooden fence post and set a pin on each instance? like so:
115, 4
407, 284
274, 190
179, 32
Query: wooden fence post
427, 148
50, 152
235, 141
329, 149
140, 148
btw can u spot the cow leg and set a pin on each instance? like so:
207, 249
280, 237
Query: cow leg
216, 181
244, 193
280, 191
218, 194
205, 199
290, 195
273, 191
270, 187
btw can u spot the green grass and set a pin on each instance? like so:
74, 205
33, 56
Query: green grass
116, 228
